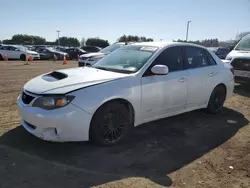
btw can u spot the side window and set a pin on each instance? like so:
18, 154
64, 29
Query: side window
210, 58
172, 57
6, 48
13, 48
195, 58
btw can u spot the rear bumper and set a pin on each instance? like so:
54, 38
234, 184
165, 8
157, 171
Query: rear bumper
230, 88
239, 79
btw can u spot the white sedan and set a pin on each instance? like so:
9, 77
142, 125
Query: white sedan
135, 84
17, 52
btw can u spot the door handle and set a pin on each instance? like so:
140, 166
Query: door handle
211, 74
182, 80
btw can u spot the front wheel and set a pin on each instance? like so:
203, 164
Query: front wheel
217, 99
23, 57
110, 124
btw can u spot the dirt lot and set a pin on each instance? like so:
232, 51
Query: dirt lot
190, 150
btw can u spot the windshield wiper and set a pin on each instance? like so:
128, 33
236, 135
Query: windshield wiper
114, 70
102, 68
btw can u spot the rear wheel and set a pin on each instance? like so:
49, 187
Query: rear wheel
217, 99
110, 124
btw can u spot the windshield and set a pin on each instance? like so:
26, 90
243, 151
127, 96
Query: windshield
111, 48
52, 49
128, 59
244, 44
22, 48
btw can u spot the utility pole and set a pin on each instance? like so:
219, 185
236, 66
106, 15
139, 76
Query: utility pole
187, 30
58, 31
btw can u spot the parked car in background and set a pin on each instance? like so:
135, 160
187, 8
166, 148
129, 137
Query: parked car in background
221, 52
132, 85
239, 58
75, 52
48, 53
91, 48
91, 58
60, 48
17, 52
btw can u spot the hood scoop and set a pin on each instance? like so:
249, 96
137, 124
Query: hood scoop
54, 76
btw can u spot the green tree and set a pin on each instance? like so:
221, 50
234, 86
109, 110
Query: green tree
68, 41
97, 42
7, 41
27, 39
50, 43
206, 42
133, 38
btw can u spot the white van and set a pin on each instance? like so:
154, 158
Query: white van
17, 52
239, 58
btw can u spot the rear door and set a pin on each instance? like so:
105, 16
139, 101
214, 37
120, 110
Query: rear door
6, 51
202, 73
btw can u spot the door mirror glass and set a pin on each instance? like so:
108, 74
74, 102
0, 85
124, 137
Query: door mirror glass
160, 69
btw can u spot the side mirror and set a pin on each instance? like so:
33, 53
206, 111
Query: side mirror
160, 69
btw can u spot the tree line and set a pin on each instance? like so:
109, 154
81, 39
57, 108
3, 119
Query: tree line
70, 41
215, 42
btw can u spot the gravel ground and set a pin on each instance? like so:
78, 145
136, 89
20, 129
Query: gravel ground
190, 150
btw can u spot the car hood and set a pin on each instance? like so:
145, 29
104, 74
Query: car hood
31, 52
61, 53
92, 54
66, 80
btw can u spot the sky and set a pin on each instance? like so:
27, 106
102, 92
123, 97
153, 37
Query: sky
110, 19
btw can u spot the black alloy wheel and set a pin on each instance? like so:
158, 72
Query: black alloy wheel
110, 124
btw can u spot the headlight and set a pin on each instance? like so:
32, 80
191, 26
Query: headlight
50, 103
229, 57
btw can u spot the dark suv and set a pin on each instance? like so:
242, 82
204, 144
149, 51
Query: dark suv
221, 52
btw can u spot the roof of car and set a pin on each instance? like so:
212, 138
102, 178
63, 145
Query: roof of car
163, 44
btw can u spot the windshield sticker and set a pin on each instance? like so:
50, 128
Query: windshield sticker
148, 48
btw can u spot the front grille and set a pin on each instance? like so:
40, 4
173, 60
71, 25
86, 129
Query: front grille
241, 64
26, 98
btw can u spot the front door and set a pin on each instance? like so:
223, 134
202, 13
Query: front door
165, 94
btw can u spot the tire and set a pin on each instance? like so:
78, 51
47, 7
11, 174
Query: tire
23, 57
110, 124
217, 99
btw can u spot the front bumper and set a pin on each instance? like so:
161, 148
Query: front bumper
35, 57
66, 124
